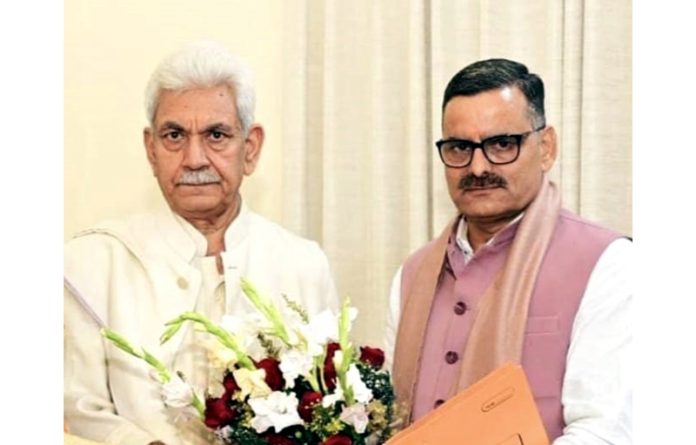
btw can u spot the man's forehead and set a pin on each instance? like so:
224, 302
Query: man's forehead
486, 112
504, 99
204, 106
228, 122
213, 125
219, 90
507, 94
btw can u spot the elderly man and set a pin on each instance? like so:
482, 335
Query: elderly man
514, 276
137, 273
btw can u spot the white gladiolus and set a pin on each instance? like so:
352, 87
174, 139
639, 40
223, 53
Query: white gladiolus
176, 393
361, 392
293, 364
219, 356
277, 410
321, 329
330, 400
355, 415
352, 315
251, 383
246, 328
337, 358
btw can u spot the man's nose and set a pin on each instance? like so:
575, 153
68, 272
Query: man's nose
479, 163
195, 155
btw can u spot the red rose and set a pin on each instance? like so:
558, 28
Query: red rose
277, 439
329, 368
338, 440
306, 406
230, 385
274, 377
372, 356
218, 412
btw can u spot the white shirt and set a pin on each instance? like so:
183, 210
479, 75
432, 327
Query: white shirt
138, 273
598, 383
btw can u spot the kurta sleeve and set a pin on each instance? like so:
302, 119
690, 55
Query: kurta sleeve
88, 406
326, 282
597, 388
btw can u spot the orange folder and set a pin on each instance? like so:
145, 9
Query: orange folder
499, 409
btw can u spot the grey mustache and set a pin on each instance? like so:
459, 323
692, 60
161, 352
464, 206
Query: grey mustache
198, 177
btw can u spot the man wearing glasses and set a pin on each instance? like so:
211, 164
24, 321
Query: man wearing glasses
514, 277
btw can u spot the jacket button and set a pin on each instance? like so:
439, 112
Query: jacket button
438, 402
460, 308
451, 357
182, 283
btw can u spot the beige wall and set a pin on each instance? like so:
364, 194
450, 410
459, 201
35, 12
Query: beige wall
111, 47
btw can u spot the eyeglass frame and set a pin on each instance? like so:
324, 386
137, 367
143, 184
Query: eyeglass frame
479, 145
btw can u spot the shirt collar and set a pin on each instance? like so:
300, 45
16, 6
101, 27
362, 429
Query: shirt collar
462, 235
194, 244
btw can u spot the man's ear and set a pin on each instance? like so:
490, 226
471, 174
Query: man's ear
549, 148
252, 148
149, 143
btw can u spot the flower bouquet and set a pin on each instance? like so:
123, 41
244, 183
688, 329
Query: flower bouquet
284, 378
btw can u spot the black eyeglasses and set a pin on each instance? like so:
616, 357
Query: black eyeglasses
501, 149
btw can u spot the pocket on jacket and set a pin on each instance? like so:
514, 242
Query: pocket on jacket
543, 356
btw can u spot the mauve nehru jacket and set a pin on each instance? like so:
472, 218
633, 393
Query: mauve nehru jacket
574, 249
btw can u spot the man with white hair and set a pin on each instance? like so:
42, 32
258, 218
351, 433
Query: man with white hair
135, 274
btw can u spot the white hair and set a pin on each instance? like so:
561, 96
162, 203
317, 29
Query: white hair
203, 64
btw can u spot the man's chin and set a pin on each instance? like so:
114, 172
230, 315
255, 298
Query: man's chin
486, 212
195, 189
197, 206
490, 216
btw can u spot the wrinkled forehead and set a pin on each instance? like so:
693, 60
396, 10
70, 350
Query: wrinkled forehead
201, 103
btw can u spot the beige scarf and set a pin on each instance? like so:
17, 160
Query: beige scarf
497, 333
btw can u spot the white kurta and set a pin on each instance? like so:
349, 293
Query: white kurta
138, 273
